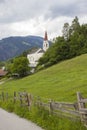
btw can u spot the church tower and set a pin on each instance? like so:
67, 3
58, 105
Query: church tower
45, 42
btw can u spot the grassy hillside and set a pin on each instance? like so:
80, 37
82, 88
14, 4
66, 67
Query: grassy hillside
59, 82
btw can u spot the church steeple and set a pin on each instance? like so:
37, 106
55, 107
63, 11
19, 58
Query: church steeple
46, 37
45, 42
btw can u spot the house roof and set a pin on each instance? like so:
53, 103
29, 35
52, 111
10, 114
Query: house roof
2, 72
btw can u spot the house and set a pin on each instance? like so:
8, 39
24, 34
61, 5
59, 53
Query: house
34, 57
2, 72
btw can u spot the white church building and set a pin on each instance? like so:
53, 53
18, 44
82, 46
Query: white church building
34, 57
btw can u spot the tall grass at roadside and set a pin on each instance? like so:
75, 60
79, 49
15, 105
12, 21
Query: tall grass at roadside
42, 117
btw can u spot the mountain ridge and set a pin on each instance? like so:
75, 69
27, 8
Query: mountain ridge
15, 45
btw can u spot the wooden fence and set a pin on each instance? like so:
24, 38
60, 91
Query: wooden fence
61, 109
82, 108
75, 111
24, 98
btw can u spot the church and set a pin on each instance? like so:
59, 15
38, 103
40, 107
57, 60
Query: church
34, 57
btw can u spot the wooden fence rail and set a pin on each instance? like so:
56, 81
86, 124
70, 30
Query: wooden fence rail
58, 108
74, 111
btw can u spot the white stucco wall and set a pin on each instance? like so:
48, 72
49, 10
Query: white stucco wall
33, 58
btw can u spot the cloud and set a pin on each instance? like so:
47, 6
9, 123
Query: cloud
25, 17
69, 9
2, 1
20, 10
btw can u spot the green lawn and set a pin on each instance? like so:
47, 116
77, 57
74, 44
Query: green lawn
59, 82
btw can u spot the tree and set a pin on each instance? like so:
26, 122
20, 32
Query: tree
75, 26
57, 52
65, 31
20, 66
71, 44
2, 64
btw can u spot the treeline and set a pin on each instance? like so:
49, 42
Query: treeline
72, 43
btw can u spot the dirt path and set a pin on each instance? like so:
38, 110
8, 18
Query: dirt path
10, 121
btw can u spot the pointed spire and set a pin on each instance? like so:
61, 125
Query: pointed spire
46, 37
45, 42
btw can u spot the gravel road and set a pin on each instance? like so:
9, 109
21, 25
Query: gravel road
10, 121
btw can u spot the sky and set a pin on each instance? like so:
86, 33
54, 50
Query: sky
33, 17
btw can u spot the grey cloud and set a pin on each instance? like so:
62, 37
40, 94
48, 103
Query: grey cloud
21, 10
18, 10
44, 14
2, 1
62, 11
68, 9
82, 7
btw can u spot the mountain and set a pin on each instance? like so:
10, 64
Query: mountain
14, 46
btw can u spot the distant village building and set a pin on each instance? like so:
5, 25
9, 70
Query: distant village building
34, 57
2, 72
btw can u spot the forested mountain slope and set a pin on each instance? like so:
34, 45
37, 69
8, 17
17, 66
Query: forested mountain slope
14, 46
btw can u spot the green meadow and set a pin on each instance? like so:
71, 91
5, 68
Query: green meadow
60, 82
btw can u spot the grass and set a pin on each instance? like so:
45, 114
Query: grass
43, 118
59, 82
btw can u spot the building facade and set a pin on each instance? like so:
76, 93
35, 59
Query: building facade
34, 57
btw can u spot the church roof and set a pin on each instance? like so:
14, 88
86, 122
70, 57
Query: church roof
34, 50
40, 51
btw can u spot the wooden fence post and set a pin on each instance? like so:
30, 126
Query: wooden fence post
14, 97
38, 101
21, 101
3, 97
81, 105
7, 96
28, 100
0, 96
51, 107
79, 97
